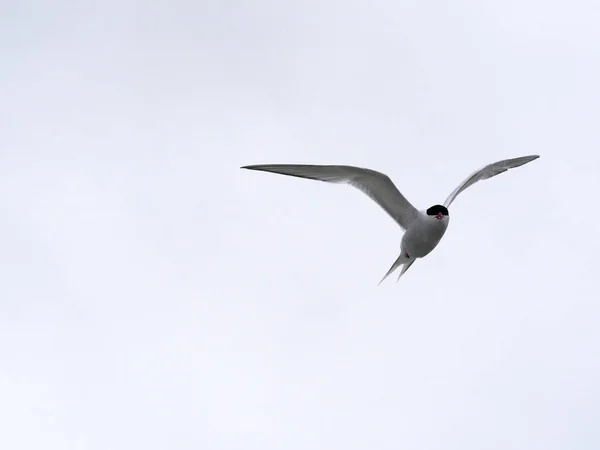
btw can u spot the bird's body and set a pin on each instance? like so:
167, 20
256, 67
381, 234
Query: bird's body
424, 234
423, 229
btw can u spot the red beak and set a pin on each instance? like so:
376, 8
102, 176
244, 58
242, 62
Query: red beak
439, 216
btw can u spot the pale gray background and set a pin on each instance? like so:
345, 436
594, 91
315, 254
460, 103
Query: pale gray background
154, 296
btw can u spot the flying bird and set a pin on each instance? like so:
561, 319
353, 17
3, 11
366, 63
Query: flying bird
423, 229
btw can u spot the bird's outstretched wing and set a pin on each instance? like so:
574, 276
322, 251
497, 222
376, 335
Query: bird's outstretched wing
375, 184
489, 171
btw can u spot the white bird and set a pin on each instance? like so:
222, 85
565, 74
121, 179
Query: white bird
423, 229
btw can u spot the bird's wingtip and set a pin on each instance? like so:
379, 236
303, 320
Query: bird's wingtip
527, 159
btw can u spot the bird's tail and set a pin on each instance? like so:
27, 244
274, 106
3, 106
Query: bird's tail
403, 259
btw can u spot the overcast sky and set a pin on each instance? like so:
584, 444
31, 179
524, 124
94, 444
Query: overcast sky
155, 296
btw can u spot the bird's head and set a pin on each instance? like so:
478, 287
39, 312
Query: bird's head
438, 211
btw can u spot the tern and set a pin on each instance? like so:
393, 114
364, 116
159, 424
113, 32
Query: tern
423, 229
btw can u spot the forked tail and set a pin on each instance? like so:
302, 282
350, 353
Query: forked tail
403, 259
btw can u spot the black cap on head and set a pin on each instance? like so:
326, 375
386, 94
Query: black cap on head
436, 209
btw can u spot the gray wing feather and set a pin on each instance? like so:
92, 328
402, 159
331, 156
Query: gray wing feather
489, 171
376, 185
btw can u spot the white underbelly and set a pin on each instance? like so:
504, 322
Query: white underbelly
419, 241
